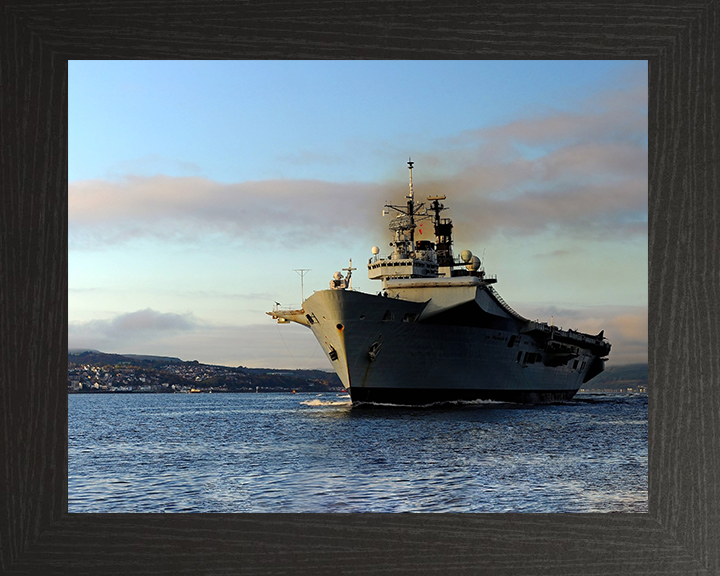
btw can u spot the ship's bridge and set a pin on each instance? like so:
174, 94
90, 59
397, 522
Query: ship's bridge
404, 267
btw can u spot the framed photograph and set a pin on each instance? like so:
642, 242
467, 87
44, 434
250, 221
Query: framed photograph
677, 533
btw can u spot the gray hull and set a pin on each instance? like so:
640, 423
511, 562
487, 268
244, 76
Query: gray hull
399, 351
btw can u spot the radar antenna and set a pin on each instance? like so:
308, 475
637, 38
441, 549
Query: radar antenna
349, 271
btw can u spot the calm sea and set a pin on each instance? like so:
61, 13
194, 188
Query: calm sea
316, 453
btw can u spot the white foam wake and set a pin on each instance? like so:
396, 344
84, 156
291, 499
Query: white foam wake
317, 402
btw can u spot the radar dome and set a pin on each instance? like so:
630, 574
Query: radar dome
466, 255
375, 250
474, 264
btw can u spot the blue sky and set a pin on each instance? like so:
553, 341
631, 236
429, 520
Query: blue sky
196, 188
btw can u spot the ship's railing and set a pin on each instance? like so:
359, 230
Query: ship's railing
598, 344
278, 308
505, 305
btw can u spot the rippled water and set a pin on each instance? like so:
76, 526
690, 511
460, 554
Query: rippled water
316, 453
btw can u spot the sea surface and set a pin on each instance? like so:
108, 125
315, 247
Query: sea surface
318, 453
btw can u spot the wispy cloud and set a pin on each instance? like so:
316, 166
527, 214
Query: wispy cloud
153, 164
138, 327
583, 172
275, 212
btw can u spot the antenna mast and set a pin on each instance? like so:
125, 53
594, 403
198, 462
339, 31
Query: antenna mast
349, 271
410, 167
302, 272
411, 207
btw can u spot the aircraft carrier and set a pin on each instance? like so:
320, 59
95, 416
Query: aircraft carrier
438, 331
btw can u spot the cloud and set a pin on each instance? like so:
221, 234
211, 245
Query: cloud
615, 114
217, 294
153, 164
132, 327
555, 254
582, 171
273, 212
151, 320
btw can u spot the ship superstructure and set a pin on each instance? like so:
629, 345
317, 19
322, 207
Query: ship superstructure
437, 330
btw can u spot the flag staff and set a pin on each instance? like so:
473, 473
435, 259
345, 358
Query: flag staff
302, 272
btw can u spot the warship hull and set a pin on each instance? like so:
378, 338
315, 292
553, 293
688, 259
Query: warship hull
386, 350
438, 331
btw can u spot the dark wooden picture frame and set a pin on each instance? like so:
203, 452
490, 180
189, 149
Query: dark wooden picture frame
681, 532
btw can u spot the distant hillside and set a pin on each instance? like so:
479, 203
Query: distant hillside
620, 378
97, 358
164, 359
94, 371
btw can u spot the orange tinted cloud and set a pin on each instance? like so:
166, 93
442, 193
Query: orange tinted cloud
583, 172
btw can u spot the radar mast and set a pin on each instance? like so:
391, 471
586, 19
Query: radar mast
411, 206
